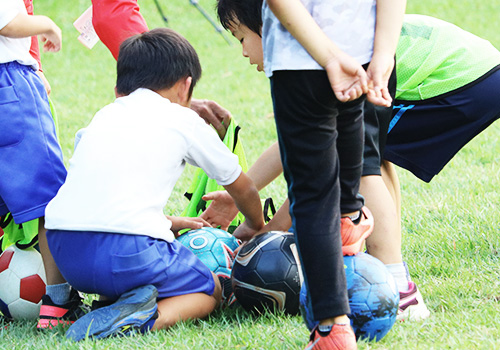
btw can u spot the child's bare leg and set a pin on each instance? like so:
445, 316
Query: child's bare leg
51, 270
391, 180
62, 305
385, 241
188, 306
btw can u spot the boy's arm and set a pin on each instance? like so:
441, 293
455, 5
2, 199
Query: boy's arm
223, 210
247, 200
347, 77
23, 26
267, 167
281, 221
390, 15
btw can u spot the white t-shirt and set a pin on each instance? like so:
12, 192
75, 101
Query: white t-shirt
12, 49
350, 24
127, 161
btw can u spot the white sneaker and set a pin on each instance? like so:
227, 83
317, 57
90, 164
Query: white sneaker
411, 305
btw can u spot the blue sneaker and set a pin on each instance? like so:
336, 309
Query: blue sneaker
131, 312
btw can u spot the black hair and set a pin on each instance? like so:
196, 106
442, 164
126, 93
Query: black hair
156, 60
246, 12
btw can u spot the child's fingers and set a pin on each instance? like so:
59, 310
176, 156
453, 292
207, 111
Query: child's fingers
363, 80
213, 114
378, 98
341, 96
208, 197
49, 46
354, 92
200, 222
386, 95
212, 195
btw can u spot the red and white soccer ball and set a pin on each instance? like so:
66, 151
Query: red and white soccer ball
22, 283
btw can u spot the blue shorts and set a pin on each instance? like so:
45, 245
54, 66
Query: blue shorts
425, 135
111, 264
31, 161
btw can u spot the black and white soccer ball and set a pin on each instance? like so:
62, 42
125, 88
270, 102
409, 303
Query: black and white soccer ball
266, 274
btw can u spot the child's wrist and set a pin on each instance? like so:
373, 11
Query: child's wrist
255, 226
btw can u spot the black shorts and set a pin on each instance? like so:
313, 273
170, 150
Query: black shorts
425, 135
376, 119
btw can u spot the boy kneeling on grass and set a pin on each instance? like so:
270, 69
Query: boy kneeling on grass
107, 230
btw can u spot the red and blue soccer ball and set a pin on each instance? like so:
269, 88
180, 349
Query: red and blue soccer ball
266, 274
214, 247
22, 283
373, 297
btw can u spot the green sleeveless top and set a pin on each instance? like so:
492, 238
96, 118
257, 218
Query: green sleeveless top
434, 57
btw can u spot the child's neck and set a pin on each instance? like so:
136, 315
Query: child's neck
175, 94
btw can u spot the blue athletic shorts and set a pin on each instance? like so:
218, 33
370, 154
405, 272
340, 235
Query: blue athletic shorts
31, 161
111, 264
425, 135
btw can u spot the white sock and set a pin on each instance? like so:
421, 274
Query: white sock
400, 275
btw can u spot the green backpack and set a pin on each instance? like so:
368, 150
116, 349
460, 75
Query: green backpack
202, 184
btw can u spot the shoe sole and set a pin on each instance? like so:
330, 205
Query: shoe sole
50, 324
355, 248
413, 313
132, 310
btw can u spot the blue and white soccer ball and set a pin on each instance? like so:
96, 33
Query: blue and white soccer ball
373, 297
214, 247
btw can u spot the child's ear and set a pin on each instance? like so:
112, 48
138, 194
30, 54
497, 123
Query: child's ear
184, 91
117, 95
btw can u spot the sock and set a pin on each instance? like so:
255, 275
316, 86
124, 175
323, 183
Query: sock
325, 329
400, 275
59, 293
355, 218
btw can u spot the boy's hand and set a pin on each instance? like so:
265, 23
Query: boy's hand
180, 223
221, 211
347, 77
52, 39
244, 232
213, 114
379, 70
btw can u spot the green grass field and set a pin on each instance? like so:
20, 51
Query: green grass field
451, 226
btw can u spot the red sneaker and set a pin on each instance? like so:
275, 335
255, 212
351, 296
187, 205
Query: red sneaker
341, 337
52, 315
353, 236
